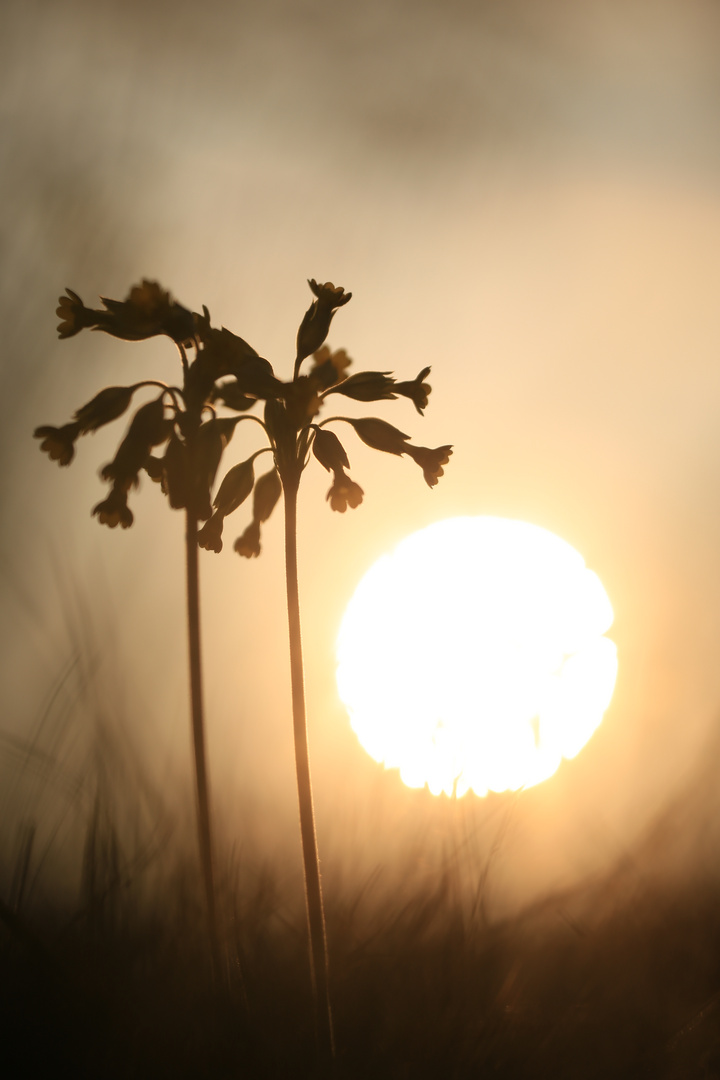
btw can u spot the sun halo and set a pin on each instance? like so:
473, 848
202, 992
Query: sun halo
473, 657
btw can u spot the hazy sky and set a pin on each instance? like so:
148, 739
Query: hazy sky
524, 195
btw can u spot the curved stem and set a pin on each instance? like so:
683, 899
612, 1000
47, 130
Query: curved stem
198, 732
311, 865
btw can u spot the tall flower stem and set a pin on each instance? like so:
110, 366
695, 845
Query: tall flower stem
198, 731
311, 865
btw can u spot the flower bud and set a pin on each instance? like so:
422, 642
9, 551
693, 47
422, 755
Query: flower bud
366, 386
235, 488
329, 451
380, 435
106, 406
268, 490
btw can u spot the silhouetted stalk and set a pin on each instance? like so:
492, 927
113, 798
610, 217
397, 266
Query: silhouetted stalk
198, 730
311, 865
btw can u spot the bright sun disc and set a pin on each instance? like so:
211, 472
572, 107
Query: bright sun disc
473, 656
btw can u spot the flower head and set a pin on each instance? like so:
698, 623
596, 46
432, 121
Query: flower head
344, 492
416, 390
58, 443
430, 461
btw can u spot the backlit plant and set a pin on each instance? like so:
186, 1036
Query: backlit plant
225, 371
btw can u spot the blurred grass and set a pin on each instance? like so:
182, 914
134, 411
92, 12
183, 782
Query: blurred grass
109, 977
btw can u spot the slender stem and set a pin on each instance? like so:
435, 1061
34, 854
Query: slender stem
313, 891
198, 731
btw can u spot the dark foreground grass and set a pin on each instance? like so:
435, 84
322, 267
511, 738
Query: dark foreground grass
609, 980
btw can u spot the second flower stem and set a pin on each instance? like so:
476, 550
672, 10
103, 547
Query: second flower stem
198, 733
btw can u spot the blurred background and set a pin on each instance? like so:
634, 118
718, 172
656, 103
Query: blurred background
523, 195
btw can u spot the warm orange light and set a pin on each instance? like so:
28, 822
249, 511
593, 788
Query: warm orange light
473, 656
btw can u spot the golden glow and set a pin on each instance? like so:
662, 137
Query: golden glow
473, 656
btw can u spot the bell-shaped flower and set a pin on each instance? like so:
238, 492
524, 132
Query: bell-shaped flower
366, 386
114, 510
316, 321
210, 536
148, 428
430, 461
106, 406
74, 316
416, 390
329, 451
58, 443
380, 435
248, 545
344, 492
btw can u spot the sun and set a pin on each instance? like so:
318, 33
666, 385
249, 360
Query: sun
474, 658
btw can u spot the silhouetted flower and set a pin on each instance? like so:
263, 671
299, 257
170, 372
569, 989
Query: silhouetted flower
366, 386
74, 316
147, 310
210, 536
416, 390
380, 435
148, 428
106, 406
58, 443
344, 492
430, 461
248, 545
114, 510
316, 321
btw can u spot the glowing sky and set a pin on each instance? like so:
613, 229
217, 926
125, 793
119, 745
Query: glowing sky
523, 195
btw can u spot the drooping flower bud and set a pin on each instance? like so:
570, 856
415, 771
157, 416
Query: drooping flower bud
329, 451
268, 490
210, 536
380, 435
235, 488
366, 386
106, 406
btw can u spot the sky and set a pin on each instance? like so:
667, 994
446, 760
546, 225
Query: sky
523, 195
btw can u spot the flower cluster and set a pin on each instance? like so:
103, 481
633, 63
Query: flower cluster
178, 439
